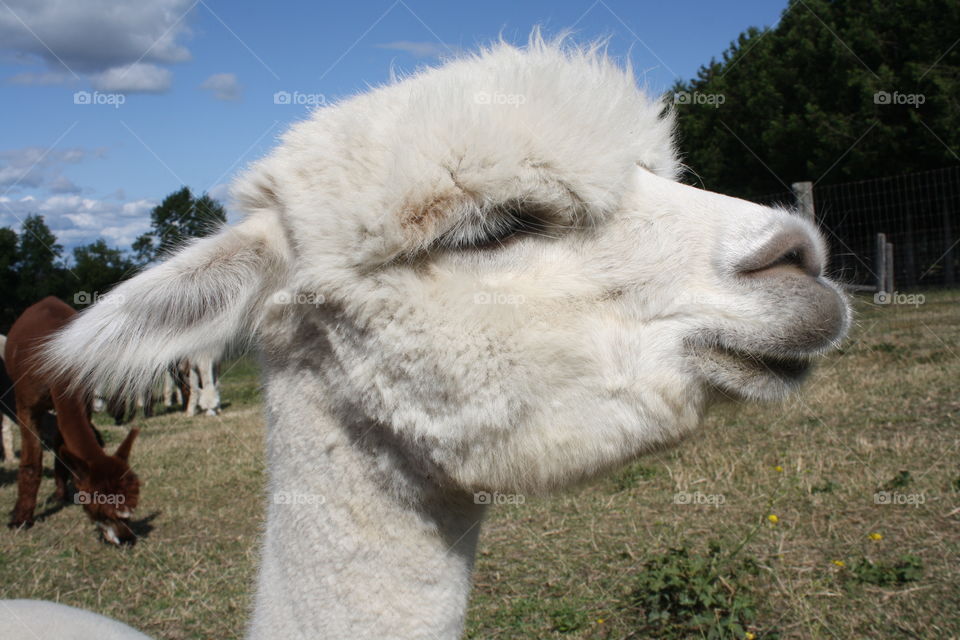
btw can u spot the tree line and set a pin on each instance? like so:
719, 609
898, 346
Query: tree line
33, 264
838, 90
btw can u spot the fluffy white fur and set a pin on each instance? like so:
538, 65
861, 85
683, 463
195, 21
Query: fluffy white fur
35, 619
410, 360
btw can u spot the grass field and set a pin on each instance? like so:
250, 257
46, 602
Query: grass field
834, 515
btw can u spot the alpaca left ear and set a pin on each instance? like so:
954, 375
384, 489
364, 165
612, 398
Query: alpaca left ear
76, 465
123, 451
197, 302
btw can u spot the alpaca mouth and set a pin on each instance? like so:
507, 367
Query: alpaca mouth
116, 532
752, 375
781, 366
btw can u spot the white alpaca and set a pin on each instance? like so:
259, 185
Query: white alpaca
7, 424
482, 278
204, 386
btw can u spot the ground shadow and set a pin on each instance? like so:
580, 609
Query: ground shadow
142, 527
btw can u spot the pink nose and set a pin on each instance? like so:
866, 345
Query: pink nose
790, 249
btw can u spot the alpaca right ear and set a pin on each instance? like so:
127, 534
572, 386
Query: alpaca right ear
123, 451
198, 301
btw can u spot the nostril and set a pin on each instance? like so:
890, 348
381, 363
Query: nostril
791, 249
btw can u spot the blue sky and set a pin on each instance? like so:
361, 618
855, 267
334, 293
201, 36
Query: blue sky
108, 105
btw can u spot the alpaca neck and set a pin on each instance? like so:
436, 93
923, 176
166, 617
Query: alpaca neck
356, 545
73, 421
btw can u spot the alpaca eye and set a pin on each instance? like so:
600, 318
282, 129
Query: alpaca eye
506, 224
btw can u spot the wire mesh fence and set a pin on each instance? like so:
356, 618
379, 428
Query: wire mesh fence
918, 215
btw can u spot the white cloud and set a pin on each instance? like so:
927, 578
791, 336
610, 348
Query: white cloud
223, 85
133, 78
137, 208
420, 49
37, 167
77, 220
40, 79
94, 37
62, 184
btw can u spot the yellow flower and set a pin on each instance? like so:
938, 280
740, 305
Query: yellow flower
876, 536
773, 518
599, 620
840, 563
778, 469
749, 636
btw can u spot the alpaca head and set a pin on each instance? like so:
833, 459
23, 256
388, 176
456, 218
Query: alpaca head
108, 489
492, 263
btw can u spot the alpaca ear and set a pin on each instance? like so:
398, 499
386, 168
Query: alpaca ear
123, 451
198, 301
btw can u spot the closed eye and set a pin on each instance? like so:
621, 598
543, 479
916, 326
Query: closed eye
499, 227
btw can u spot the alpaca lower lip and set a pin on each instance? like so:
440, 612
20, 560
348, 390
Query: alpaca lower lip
752, 375
775, 365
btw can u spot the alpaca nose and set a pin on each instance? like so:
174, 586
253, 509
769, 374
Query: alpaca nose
788, 249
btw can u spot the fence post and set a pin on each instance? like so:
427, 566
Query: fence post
948, 256
803, 192
888, 250
880, 263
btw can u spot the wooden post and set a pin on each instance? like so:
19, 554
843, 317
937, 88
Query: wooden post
889, 264
803, 192
880, 264
948, 276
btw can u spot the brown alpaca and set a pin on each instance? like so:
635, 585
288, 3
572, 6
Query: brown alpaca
106, 486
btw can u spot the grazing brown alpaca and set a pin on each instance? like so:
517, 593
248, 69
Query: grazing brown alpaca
106, 486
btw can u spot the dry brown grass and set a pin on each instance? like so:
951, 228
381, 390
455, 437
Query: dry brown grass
890, 402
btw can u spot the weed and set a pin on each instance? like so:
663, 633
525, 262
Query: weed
828, 486
631, 476
682, 594
898, 481
908, 568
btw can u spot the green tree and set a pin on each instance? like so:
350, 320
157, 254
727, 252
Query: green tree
178, 218
97, 269
837, 91
9, 278
39, 266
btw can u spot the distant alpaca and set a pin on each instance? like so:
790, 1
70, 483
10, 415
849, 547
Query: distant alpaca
202, 374
49, 432
192, 383
106, 486
7, 422
484, 278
